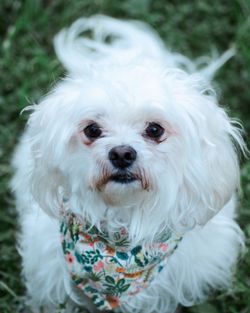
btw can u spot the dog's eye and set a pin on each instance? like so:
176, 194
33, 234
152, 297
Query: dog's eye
92, 131
154, 131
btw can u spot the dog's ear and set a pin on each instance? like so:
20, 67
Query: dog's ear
45, 187
211, 175
220, 159
48, 134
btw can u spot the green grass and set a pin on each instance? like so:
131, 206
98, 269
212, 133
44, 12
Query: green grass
28, 69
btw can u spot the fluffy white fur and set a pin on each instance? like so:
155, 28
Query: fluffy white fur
123, 77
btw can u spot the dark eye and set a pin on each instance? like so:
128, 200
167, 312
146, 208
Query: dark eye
92, 131
154, 131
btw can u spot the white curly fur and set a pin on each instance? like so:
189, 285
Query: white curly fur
123, 77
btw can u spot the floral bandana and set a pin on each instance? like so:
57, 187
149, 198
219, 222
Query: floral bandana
107, 269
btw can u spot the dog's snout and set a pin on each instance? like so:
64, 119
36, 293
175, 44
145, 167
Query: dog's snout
122, 156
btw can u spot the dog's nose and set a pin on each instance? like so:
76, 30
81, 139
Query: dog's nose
122, 156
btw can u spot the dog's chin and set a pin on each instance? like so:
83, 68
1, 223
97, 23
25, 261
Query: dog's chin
122, 188
122, 192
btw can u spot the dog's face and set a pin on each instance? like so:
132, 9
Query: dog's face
138, 139
122, 140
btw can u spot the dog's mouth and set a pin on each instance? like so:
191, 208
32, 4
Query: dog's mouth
123, 177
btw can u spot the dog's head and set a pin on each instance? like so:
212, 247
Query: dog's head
127, 140
151, 145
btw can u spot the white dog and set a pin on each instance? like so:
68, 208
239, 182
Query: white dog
126, 177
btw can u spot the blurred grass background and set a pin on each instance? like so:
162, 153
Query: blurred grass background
28, 69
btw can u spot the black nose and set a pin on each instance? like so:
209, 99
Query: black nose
122, 156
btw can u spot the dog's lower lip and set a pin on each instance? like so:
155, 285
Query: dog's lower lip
123, 178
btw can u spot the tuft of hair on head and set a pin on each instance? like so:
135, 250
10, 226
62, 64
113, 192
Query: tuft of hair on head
102, 40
